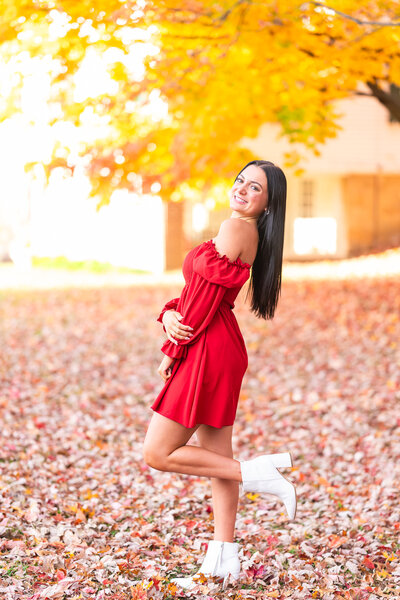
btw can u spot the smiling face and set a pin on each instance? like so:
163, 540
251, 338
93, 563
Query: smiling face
249, 194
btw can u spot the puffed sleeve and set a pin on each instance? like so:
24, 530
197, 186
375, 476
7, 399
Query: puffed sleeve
200, 299
170, 305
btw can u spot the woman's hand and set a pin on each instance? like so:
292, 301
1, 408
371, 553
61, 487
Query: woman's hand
174, 329
165, 368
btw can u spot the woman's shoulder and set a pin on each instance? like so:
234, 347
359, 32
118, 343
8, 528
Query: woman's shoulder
218, 268
231, 238
237, 239
233, 226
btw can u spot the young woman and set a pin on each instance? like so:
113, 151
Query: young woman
205, 360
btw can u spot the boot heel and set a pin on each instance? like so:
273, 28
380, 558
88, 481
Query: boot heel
282, 460
226, 579
261, 475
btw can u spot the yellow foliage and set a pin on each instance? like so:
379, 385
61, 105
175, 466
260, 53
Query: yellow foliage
224, 69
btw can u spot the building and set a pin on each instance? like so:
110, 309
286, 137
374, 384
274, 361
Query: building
346, 203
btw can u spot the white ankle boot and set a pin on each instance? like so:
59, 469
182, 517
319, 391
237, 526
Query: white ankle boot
221, 560
261, 475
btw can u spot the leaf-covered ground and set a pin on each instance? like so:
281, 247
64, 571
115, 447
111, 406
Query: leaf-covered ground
81, 515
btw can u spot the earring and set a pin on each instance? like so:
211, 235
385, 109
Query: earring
267, 211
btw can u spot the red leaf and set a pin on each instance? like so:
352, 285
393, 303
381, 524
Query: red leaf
60, 574
368, 563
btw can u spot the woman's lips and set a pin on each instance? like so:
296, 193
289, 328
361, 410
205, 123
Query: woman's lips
240, 200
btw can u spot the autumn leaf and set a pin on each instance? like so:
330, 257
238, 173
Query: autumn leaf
368, 563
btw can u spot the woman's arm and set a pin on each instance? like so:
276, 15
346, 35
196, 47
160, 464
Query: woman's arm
212, 275
170, 305
165, 368
170, 320
174, 329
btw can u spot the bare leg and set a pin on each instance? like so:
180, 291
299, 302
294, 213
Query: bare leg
165, 448
225, 493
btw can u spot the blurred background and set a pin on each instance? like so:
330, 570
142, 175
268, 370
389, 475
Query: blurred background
124, 125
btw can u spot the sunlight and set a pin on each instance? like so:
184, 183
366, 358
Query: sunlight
60, 218
65, 222
92, 78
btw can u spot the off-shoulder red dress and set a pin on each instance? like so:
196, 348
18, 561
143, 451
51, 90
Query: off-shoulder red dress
205, 383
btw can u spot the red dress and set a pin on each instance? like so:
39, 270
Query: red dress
205, 382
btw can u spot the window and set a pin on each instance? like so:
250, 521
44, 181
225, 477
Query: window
306, 198
315, 235
312, 235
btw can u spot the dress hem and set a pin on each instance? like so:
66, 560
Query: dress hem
188, 426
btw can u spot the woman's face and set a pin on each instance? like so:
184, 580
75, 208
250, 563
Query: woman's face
249, 194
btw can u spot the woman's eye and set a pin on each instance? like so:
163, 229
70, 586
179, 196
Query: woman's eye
253, 187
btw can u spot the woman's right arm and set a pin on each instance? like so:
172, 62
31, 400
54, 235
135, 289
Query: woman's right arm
171, 324
170, 305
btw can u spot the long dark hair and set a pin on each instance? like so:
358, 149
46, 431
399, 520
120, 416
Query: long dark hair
266, 272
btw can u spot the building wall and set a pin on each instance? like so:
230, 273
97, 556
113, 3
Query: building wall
366, 142
372, 206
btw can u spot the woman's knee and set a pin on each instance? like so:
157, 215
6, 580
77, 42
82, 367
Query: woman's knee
153, 457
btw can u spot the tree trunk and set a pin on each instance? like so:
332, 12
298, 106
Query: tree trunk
390, 99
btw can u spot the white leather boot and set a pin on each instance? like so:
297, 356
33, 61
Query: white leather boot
221, 560
261, 475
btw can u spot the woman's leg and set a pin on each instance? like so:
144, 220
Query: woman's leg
225, 493
166, 449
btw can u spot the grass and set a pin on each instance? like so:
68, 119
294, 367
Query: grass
61, 262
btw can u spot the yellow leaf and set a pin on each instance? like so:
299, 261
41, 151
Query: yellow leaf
382, 574
251, 496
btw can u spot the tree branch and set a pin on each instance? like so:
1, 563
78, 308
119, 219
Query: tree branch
357, 93
226, 14
195, 14
354, 19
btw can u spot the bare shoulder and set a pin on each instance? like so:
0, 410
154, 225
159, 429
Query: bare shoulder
231, 238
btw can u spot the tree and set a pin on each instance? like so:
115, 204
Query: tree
224, 68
